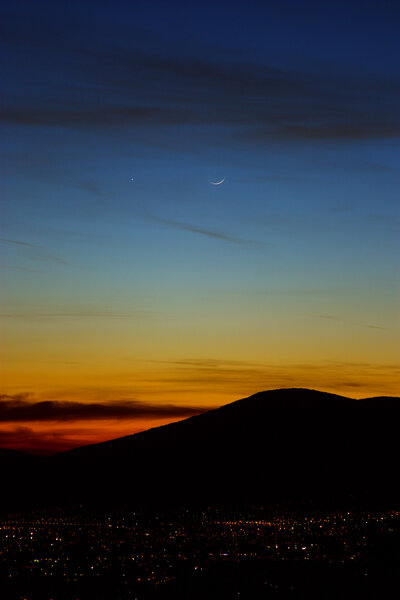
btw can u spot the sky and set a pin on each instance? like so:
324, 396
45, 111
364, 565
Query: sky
133, 291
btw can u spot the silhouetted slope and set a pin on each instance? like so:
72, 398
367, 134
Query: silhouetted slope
261, 412
283, 444
16, 458
20, 473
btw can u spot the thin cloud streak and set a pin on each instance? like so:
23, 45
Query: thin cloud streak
330, 317
79, 314
195, 229
190, 376
252, 124
29, 440
19, 243
18, 408
259, 102
45, 442
333, 318
34, 251
25, 269
90, 186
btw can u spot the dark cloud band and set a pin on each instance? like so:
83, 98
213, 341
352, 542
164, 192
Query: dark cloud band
19, 408
259, 102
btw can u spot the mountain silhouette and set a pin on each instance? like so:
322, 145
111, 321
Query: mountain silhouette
284, 445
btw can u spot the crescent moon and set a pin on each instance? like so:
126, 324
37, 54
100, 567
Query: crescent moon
217, 182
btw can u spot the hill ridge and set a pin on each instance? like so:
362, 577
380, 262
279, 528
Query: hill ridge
276, 445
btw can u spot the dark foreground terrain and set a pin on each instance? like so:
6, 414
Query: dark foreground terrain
245, 554
285, 494
286, 445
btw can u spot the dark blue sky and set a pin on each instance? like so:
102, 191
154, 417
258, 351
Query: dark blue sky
359, 34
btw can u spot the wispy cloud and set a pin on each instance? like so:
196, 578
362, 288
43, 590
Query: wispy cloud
259, 102
90, 186
256, 117
330, 317
19, 243
234, 379
26, 269
79, 313
38, 442
19, 408
180, 226
48, 440
34, 251
334, 318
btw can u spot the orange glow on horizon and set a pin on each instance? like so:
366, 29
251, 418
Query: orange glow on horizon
203, 383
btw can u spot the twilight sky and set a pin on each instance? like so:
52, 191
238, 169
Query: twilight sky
127, 304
